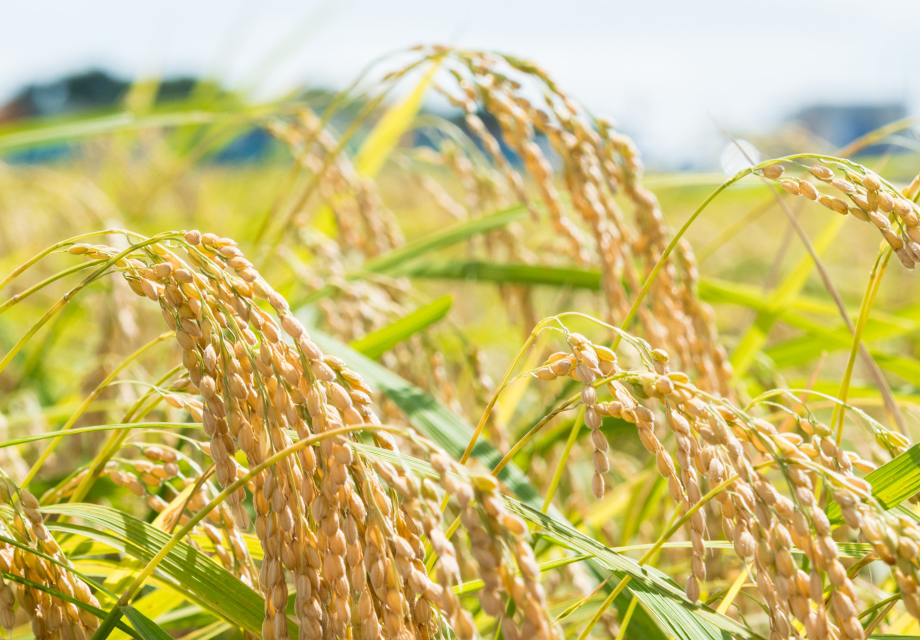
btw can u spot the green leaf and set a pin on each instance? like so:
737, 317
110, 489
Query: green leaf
817, 336
378, 342
892, 483
203, 580
442, 239
147, 628
793, 352
213, 630
505, 273
73, 128
153, 604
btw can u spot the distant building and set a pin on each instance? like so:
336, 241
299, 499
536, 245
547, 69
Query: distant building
842, 124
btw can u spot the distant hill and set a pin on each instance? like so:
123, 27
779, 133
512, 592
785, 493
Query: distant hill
97, 90
93, 89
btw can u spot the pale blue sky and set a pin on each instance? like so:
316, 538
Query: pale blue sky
661, 69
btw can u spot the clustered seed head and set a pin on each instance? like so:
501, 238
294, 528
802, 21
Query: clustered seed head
52, 617
596, 165
363, 222
866, 197
564, 152
500, 546
586, 363
345, 534
353, 308
728, 450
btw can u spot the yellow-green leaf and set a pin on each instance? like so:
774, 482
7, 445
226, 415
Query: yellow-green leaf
378, 146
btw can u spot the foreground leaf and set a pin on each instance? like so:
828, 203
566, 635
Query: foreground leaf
203, 580
892, 483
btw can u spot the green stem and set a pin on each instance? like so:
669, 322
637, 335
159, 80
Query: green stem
634, 309
677, 237
881, 616
87, 402
557, 475
73, 292
102, 427
520, 354
19, 297
116, 439
63, 243
489, 407
604, 606
872, 286
531, 433
627, 617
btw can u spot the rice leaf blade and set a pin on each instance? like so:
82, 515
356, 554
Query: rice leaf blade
147, 628
213, 587
445, 238
892, 483
378, 146
378, 342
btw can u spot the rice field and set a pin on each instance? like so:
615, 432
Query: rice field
416, 376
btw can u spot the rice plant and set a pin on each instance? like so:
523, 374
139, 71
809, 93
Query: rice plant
468, 388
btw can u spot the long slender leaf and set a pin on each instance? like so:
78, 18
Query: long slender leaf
817, 336
796, 351
445, 238
376, 343
205, 581
147, 628
153, 604
378, 146
505, 273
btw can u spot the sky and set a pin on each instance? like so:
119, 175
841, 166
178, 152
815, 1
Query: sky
670, 73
